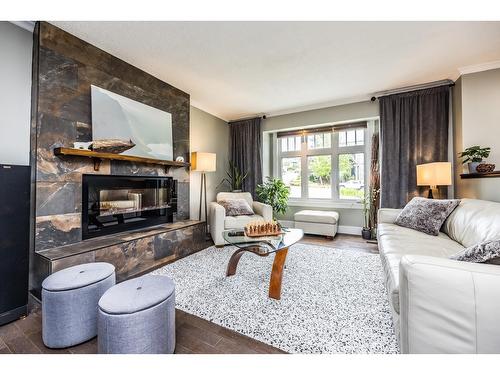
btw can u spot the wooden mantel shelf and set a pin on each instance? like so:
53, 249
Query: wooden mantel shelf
481, 175
97, 157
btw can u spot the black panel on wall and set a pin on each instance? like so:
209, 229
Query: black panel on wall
14, 241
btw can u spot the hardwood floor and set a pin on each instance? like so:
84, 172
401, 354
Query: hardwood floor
194, 335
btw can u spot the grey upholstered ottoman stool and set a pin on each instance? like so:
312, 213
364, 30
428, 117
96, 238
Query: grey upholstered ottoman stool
138, 316
69, 303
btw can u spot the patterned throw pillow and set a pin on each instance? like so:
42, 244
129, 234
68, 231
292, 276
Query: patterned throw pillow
426, 215
484, 252
236, 207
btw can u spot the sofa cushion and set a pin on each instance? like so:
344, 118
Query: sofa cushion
316, 216
237, 222
394, 242
484, 252
473, 221
236, 207
426, 215
244, 195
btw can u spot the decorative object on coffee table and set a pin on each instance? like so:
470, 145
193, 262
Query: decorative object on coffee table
263, 246
203, 162
485, 168
263, 228
113, 146
434, 175
474, 156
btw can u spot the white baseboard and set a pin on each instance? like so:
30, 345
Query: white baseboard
344, 229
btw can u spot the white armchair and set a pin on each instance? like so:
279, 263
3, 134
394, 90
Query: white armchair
219, 221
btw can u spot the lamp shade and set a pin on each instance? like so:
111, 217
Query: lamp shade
434, 174
203, 162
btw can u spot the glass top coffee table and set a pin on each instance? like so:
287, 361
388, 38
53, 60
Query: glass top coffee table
263, 246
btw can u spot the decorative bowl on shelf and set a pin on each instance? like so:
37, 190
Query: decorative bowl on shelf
113, 146
485, 168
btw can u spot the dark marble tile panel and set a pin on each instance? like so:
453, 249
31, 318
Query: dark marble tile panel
128, 258
57, 230
56, 198
182, 200
125, 168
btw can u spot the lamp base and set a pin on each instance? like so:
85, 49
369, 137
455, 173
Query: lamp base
430, 196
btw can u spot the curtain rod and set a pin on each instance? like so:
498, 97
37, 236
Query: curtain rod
263, 117
443, 82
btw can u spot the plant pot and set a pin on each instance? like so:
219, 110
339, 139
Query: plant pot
473, 166
366, 233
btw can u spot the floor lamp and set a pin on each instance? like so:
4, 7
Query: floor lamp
434, 175
203, 162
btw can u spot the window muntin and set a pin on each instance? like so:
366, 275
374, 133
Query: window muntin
355, 137
319, 141
289, 144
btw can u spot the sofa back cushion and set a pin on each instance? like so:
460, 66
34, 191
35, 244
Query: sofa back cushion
473, 221
228, 196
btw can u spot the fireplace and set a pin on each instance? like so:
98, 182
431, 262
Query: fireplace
112, 204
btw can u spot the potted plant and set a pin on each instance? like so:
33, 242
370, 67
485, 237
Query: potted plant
275, 193
474, 156
366, 232
234, 178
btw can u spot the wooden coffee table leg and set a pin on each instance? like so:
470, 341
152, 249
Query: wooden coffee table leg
277, 274
233, 262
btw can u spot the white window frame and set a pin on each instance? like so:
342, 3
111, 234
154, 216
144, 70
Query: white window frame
334, 151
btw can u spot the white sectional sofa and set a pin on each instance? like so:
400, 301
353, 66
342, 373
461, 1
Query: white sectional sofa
441, 305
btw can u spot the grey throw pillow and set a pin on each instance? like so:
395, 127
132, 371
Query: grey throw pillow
484, 252
426, 215
236, 207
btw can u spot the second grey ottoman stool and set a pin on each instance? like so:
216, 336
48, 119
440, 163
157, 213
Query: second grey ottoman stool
138, 316
69, 303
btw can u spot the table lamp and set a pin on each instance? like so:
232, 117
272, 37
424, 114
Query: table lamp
203, 162
433, 175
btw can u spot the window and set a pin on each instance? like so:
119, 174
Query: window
325, 164
291, 176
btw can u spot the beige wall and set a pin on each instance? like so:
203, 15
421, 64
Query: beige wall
207, 133
476, 100
346, 112
342, 113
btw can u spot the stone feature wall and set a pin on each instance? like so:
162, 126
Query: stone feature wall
64, 68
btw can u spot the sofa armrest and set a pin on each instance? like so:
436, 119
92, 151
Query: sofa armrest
217, 216
447, 306
388, 215
264, 210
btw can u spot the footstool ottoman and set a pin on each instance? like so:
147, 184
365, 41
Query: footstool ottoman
69, 303
138, 316
323, 223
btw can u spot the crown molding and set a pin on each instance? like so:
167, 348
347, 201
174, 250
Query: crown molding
479, 67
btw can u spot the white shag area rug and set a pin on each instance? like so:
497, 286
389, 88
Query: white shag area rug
332, 300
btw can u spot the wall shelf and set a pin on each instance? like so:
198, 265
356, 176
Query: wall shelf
481, 175
97, 158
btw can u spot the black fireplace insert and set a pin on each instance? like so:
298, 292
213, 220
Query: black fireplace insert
112, 204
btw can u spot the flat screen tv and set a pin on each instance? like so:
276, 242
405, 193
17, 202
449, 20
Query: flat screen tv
117, 117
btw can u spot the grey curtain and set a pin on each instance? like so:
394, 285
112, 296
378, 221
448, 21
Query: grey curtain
413, 130
245, 151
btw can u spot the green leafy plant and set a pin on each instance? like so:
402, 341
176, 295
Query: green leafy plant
275, 193
234, 177
474, 154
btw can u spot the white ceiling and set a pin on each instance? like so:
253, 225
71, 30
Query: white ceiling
239, 69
